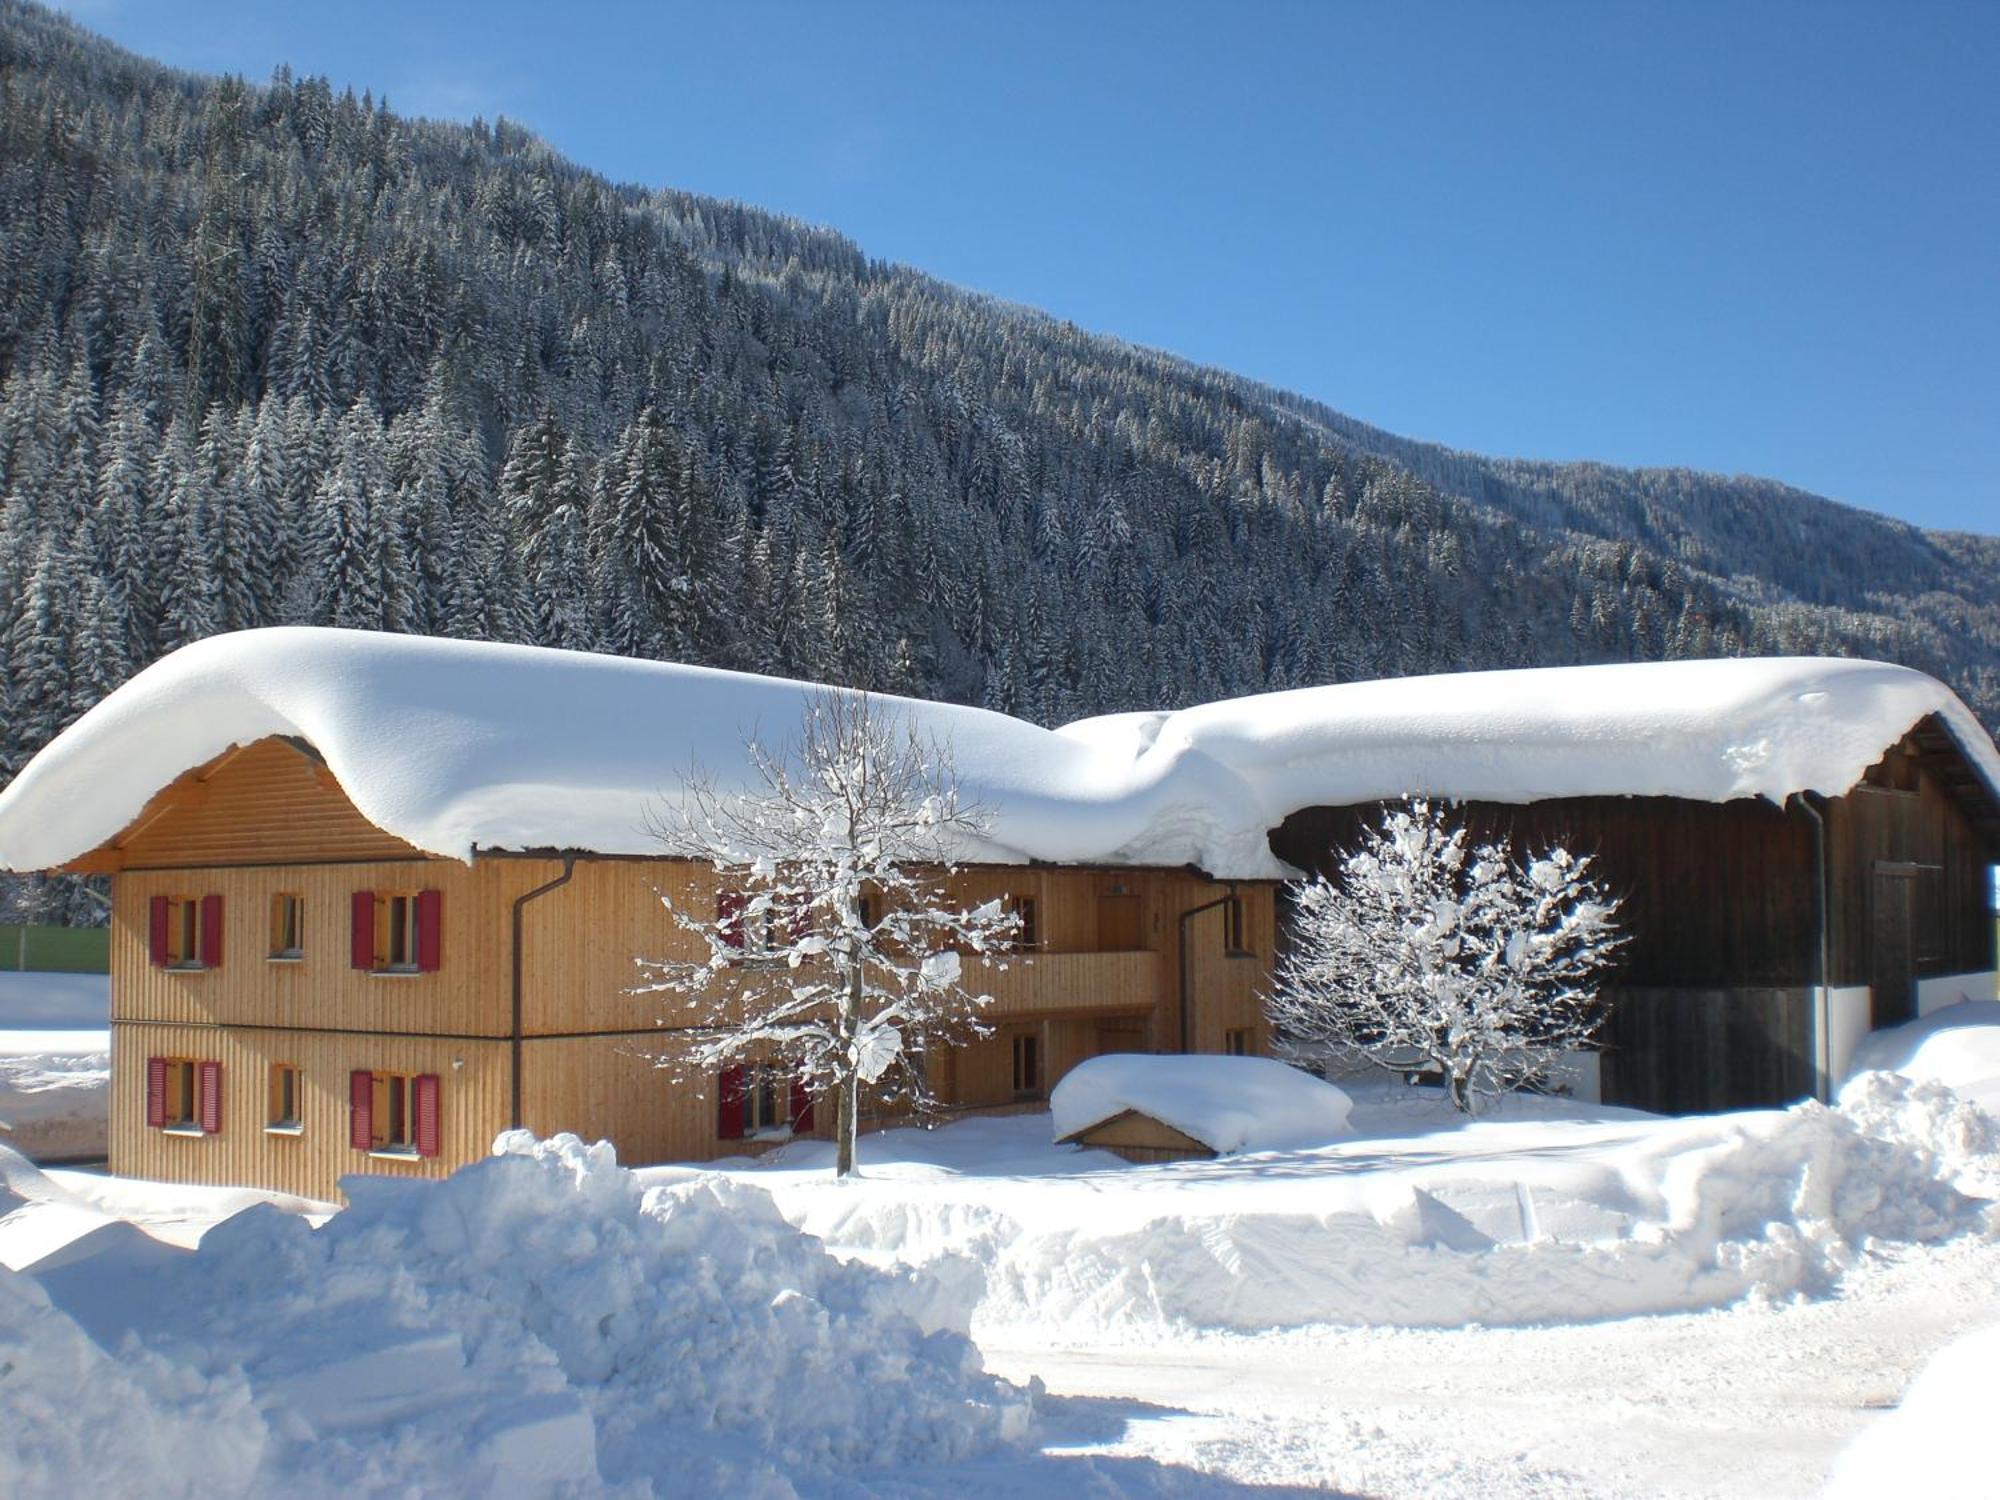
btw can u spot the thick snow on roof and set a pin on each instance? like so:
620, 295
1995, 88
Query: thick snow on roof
1227, 1103
456, 745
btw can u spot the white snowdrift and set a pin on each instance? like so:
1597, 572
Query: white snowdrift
1495, 1222
1939, 1440
1229, 1104
1957, 1046
55, 1089
456, 745
537, 1324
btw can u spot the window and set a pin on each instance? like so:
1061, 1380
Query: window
1027, 930
1027, 1064
1236, 1042
284, 1109
398, 932
757, 925
762, 1098
393, 1114
288, 925
185, 932
1235, 938
184, 1095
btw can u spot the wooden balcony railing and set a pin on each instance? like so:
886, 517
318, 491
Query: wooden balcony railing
1040, 984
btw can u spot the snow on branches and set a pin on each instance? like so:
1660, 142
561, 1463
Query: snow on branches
834, 951
1428, 953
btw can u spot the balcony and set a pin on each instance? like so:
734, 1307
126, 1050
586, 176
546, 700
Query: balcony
1046, 984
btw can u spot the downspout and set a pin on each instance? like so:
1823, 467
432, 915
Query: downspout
1822, 905
520, 904
1194, 911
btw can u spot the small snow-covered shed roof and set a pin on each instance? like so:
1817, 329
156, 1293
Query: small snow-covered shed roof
455, 746
1227, 1104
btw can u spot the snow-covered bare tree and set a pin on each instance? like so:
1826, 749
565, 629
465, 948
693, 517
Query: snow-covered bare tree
834, 947
1428, 952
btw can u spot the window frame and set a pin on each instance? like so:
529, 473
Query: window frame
184, 934
1027, 936
276, 1121
388, 904
1027, 1081
399, 1089
288, 920
1238, 1040
183, 1085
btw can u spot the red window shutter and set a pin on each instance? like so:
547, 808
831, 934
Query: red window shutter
430, 930
156, 1089
364, 931
729, 921
802, 1108
427, 1114
802, 918
156, 942
361, 1110
211, 1098
211, 932
729, 1104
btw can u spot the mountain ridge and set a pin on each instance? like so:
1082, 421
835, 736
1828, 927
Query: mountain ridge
274, 354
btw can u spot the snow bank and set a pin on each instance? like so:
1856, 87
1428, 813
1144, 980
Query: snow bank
537, 1324
1938, 1441
456, 745
1227, 1103
53, 1002
1957, 1046
55, 1089
1493, 1222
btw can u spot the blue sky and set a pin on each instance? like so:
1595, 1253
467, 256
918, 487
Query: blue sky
1749, 238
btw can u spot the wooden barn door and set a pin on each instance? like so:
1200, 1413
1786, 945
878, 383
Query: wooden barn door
1117, 921
1892, 944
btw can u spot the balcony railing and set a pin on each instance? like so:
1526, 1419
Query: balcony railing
1040, 984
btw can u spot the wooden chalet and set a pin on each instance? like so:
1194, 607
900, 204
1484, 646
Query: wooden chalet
299, 993
378, 898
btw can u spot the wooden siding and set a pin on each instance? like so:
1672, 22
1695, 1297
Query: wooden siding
1139, 1137
469, 995
1687, 1051
1714, 894
612, 1088
473, 1104
1036, 984
266, 802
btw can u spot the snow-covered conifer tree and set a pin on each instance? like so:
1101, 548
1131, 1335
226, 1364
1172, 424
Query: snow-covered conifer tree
835, 951
1430, 953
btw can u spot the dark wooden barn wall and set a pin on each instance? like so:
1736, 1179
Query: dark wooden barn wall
1715, 895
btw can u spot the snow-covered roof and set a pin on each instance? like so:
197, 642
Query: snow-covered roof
455, 746
1226, 1103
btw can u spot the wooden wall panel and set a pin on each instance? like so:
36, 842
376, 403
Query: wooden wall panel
468, 995
266, 802
473, 1105
610, 1088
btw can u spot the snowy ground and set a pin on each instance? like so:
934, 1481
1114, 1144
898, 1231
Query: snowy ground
1556, 1301
55, 1064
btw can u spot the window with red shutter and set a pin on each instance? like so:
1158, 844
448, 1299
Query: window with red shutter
211, 932
362, 946
424, 1091
430, 930
157, 941
211, 1098
729, 1104
156, 1091
361, 1110
729, 917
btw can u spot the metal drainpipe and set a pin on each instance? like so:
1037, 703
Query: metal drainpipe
1194, 911
1822, 904
520, 903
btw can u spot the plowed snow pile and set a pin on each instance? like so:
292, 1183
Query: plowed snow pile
1507, 1221
538, 1323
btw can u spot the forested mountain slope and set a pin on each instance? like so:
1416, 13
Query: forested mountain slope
269, 353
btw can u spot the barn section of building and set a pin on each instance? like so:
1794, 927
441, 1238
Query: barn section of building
1768, 932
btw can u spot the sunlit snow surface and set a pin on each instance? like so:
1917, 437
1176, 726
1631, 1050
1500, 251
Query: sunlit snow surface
1424, 1307
457, 745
